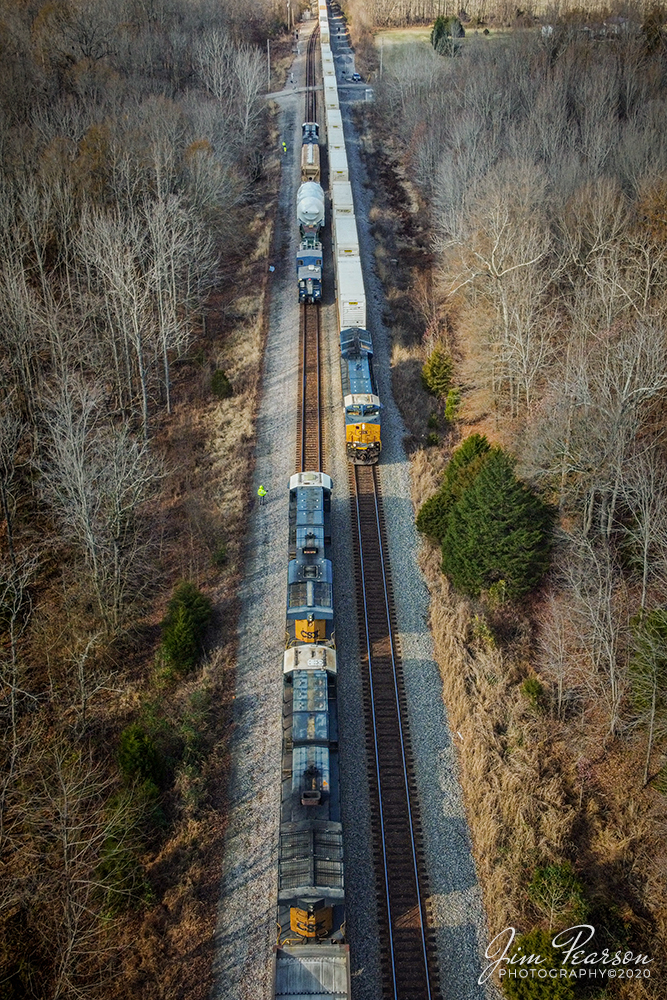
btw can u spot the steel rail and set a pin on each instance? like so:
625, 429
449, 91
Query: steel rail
378, 778
408, 949
387, 605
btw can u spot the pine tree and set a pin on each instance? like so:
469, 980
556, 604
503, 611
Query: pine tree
437, 373
498, 530
537, 943
188, 614
463, 467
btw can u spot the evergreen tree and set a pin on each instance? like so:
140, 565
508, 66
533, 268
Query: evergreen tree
498, 530
437, 373
463, 467
537, 943
557, 893
445, 30
188, 615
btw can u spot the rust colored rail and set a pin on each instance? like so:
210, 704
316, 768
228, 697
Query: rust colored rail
309, 431
409, 971
311, 93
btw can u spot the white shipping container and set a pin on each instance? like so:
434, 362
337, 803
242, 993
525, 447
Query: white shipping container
331, 97
346, 238
337, 164
341, 196
329, 80
335, 137
334, 118
335, 134
324, 32
350, 293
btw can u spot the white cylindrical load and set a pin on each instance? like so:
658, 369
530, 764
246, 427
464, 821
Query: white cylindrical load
310, 205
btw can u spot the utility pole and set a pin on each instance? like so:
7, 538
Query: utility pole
289, 19
268, 66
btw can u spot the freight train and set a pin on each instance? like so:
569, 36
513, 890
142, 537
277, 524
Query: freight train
360, 397
310, 216
311, 957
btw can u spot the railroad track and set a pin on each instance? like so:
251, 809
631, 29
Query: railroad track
408, 953
311, 93
309, 430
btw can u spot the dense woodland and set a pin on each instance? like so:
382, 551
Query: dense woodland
536, 165
129, 169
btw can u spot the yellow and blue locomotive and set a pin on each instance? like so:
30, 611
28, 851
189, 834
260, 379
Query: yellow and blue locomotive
360, 397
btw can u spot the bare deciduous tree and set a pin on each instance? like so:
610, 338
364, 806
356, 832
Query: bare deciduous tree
96, 477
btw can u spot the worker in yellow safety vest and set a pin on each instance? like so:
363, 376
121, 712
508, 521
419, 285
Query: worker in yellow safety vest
261, 493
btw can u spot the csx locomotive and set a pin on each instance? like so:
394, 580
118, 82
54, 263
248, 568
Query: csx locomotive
311, 949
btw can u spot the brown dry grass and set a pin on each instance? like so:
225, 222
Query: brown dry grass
536, 789
167, 950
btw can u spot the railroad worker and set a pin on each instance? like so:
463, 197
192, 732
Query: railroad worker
261, 493
284, 147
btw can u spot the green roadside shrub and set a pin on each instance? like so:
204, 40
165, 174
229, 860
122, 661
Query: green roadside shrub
437, 373
452, 404
534, 692
220, 384
137, 755
188, 615
537, 943
498, 529
557, 894
122, 878
465, 463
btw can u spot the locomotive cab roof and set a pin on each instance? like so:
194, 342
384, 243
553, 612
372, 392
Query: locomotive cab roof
310, 132
355, 342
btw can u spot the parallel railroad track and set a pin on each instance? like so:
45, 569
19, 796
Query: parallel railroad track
311, 93
309, 430
408, 953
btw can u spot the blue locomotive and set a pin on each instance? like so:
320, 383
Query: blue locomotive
310, 611
310, 879
309, 269
360, 397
